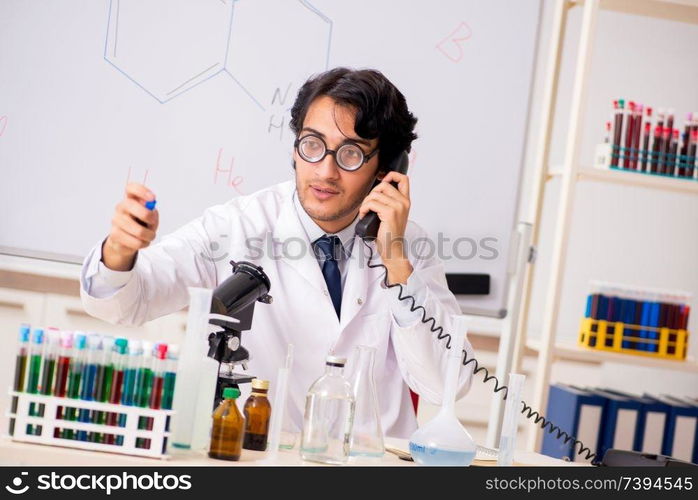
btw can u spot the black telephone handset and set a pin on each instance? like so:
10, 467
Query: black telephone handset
367, 227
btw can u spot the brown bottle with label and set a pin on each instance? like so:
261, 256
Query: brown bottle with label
228, 427
257, 412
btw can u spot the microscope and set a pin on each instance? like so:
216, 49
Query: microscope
234, 299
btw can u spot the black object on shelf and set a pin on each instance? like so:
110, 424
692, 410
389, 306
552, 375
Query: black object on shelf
468, 283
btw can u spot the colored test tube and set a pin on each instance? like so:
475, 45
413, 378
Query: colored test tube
75, 379
89, 379
52, 343
637, 131
119, 357
157, 387
617, 131
20, 370
144, 381
105, 369
169, 384
645, 146
692, 155
62, 372
170, 376
36, 348
629, 133
133, 361
670, 152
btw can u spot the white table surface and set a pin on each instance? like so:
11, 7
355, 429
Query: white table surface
16, 453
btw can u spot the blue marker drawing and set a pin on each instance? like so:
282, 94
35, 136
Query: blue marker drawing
150, 205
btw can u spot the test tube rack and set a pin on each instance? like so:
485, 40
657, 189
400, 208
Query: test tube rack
682, 166
616, 336
128, 433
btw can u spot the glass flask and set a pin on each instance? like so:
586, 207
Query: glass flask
329, 413
367, 434
228, 427
443, 440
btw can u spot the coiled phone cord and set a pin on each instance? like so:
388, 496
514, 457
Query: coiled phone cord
529, 412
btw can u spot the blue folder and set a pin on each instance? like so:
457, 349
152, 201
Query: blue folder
678, 407
647, 405
565, 405
609, 422
684, 407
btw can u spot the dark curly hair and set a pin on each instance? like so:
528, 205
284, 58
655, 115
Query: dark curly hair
381, 109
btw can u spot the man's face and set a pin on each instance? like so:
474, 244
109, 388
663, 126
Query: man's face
330, 195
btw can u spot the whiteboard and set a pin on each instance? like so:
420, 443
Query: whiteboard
193, 98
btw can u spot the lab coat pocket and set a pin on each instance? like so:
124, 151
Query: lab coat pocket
373, 330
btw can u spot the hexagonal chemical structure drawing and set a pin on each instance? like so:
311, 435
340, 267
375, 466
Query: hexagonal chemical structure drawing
167, 47
276, 45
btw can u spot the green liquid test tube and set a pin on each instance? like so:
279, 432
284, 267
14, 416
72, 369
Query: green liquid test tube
20, 370
105, 371
144, 381
34, 371
48, 371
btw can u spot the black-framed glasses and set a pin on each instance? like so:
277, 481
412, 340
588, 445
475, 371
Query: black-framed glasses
349, 156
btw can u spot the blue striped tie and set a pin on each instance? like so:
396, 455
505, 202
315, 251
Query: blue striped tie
328, 246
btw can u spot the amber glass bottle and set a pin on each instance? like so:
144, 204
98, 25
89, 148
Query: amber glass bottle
257, 412
228, 427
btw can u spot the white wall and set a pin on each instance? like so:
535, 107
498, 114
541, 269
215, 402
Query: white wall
622, 234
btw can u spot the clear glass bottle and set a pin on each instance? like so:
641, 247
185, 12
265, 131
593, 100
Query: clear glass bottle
257, 411
329, 415
367, 434
228, 428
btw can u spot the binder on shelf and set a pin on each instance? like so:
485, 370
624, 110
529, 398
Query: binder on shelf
681, 435
619, 421
578, 412
651, 422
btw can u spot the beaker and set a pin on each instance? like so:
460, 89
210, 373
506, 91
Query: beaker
367, 434
443, 440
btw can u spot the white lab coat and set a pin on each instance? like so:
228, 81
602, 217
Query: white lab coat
198, 254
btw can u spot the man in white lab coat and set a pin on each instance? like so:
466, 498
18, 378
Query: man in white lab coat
349, 126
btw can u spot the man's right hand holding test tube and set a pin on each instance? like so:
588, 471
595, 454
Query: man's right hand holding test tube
128, 234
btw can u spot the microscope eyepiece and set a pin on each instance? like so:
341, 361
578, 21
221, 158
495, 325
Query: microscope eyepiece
247, 284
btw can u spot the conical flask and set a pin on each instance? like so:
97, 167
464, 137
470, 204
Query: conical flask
443, 440
367, 434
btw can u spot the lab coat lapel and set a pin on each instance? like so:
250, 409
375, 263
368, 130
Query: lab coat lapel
292, 247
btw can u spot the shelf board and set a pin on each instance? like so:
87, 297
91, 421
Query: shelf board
685, 11
631, 178
570, 352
